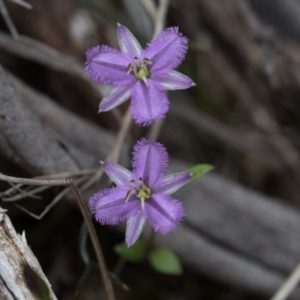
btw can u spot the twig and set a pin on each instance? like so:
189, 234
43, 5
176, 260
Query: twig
22, 3
24, 193
39, 52
47, 208
49, 176
69, 174
6, 198
161, 17
83, 208
54, 202
10, 24
50, 205
150, 8
288, 286
30, 181
95, 241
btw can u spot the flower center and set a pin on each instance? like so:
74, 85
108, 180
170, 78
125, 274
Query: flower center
140, 69
142, 72
143, 192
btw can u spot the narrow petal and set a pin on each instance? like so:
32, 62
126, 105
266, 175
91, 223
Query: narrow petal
128, 43
163, 212
172, 183
110, 207
118, 174
148, 103
108, 66
134, 228
116, 97
150, 160
167, 51
174, 81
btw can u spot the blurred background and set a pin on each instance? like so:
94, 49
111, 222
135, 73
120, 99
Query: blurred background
241, 235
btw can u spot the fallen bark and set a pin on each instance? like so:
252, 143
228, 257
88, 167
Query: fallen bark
26, 140
14, 255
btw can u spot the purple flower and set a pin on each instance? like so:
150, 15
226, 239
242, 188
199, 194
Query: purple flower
141, 195
140, 74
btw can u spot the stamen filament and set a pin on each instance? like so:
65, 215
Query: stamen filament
128, 195
145, 80
143, 203
139, 69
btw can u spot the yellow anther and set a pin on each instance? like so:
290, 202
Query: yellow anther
140, 70
142, 73
143, 192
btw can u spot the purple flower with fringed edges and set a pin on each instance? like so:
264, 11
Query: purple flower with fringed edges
141, 75
141, 195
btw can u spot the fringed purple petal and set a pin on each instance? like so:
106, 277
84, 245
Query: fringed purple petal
128, 43
108, 66
163, 212
173, 80
116, 97
172, 183
118, 174
109, 205
150, 160
134, 228
167, 51
148, 103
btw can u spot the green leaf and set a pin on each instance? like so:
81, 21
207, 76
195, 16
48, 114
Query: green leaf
199, 170
165, 261
135, 253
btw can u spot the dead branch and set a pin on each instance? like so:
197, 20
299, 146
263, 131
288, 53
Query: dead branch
8, 20
53, 116
288, 286
14, 254
24, 135
39, 52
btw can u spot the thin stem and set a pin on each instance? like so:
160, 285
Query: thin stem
29, 181
288, 286
95, 242
24, 193
115, 152
22, 3
150, 8
119, 266
6, 194
155, 130
150, 240
47, 208
159, 25
9, 22
82, 281
161, 17
6, 198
